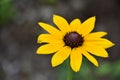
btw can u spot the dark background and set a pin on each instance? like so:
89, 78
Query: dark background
19, 30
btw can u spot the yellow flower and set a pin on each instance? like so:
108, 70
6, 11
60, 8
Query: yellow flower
74, 40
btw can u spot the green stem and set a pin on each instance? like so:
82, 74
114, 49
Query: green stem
69, 72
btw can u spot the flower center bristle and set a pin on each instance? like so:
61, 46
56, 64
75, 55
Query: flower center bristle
73, 39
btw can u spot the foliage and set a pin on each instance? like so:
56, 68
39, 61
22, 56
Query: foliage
106, 70
7, 12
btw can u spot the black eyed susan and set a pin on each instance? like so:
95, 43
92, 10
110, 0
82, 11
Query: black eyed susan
73, 40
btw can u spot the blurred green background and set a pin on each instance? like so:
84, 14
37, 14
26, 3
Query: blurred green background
19, 30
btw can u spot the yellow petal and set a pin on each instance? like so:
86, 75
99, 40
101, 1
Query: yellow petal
75, 59
96, 50
61, 23
49, 48
60, 56
87, 26
104, 43
89, 57
75, 24
49, 28
94, 35
48, 38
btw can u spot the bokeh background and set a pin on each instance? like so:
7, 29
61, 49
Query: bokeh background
19, 30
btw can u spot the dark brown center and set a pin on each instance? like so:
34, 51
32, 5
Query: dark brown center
73, 39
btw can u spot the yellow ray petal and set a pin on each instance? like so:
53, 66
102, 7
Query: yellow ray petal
87, 26
48, 38
60, 56
96, 50
49, 48
75, 24
89, 57
50, 29
75, 59
104, 43
95, 35
61, 23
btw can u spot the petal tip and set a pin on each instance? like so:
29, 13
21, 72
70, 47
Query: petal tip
97, 65
113, 44
37, 52
40, 23
38, 41
55, 15
105, 33
106, 56
53, 64
94, 16
75, 70
77, 19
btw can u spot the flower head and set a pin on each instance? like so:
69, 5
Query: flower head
73, 40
